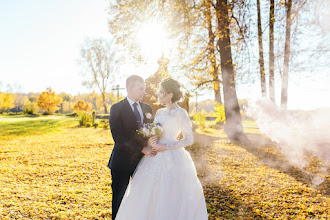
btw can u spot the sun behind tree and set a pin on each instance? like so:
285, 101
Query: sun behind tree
153, 39
49, 101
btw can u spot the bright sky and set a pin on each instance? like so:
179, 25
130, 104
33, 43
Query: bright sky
40, 44
304, 92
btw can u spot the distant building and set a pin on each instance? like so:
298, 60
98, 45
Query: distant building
152, 85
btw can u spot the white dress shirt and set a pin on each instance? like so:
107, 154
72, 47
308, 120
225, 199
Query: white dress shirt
131, 102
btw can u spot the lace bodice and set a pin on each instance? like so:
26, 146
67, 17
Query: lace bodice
174, 122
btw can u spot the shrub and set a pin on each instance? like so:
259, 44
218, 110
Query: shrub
31, 108
88, 124
200, 119
95, 125
105, 126
220, 113
84, 118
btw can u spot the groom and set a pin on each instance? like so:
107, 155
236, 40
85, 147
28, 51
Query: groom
126, 117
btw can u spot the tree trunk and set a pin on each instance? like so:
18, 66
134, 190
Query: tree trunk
215, 72
285, 77
271, 51
217, 95
261, 54
104, 103
233, 127
95, 103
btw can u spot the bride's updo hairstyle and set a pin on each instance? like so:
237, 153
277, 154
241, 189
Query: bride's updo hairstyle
172, 86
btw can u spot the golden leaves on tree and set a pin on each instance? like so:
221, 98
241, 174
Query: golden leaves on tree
81, 105
49, 101
6, 101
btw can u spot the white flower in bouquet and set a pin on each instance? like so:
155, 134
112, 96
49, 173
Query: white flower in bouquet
145, 130
151, 129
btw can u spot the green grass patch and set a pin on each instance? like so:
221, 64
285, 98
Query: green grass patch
12, 125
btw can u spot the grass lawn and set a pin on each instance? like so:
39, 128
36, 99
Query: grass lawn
52, 169
25, 125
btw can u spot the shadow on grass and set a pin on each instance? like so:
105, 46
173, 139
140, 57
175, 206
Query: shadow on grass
223, 204
21, 115
32, 116
267, 153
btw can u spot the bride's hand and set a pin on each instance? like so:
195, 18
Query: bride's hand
153, 140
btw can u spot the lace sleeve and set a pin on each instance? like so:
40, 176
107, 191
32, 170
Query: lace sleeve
188, 137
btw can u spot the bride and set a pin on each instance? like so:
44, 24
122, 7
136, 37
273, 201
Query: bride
166, 186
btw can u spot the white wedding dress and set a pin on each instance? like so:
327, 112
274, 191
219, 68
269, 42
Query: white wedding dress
165, 186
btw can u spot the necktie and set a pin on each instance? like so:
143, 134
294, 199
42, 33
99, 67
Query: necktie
137, 115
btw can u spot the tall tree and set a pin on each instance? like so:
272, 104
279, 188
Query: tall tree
200, 56
261, 53
100, 62
18, 102
212, 54
271, 51
234, 128
185, 17
285, 76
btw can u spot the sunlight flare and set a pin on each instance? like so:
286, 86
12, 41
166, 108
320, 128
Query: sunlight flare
153, 39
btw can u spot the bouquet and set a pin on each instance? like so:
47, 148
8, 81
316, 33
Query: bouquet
151, 129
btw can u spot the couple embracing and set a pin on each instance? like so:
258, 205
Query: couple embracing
153, 178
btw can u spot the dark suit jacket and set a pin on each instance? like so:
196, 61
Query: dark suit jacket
126, 153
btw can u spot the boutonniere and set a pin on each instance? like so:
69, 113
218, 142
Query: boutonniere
148, 115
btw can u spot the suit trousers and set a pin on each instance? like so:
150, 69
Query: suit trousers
120, 181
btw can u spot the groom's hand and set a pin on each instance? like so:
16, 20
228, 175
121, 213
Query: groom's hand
159, 147
148, 151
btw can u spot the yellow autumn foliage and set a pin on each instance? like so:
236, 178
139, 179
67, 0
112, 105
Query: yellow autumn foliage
55, 170
81, 105
6, 101
49, 101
